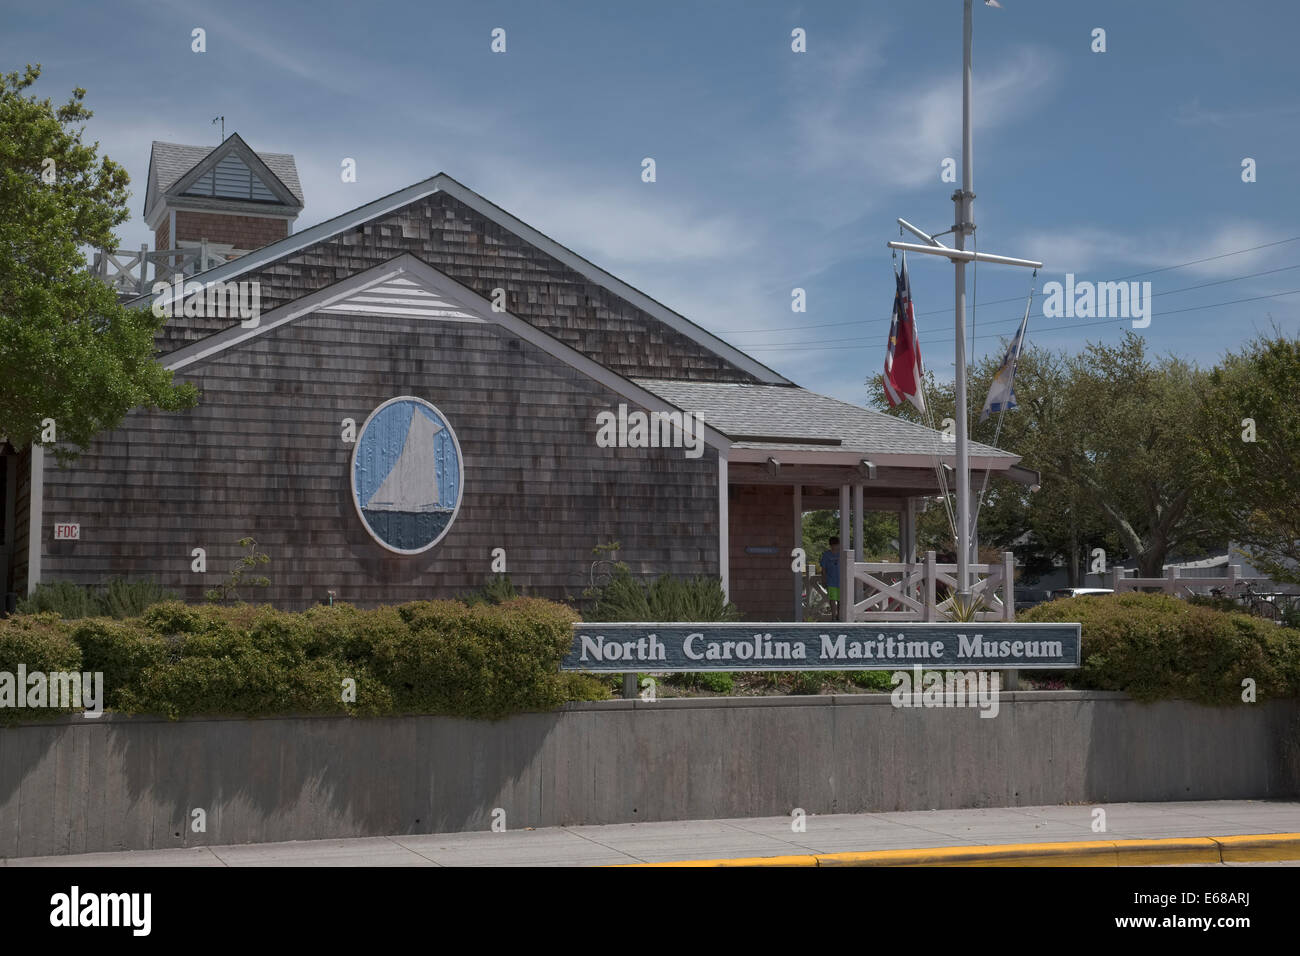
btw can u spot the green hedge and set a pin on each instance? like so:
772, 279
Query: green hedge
1156, 646
433, 657
40, 642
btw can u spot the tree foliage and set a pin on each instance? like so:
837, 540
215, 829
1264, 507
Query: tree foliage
68, 351
1250, 445
1109, 430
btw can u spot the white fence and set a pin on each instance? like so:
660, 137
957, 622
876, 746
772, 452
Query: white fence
909, 591
128, 272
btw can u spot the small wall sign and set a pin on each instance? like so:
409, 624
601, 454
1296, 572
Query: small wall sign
67, 532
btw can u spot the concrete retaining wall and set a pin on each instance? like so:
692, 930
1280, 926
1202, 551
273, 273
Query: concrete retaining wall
74, 785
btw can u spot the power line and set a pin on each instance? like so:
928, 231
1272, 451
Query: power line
817, 347
1039, 314
1182, 265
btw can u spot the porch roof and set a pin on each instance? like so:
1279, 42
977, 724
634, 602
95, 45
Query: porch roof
786, 418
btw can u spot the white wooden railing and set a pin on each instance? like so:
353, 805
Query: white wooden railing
911, 591
128, 272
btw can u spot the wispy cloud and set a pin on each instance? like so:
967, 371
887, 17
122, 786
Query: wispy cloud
859, 128
1084, 250
1192, 113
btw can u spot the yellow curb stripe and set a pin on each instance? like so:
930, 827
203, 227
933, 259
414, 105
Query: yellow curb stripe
1161, 852
808, 860
1259, 846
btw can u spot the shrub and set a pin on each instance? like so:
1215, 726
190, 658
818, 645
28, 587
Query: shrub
39, 642
808, 682
875, 680
435, 657
63, 598
1155, 646
498, 590
719, 682
123, 598
624, 598
118, 597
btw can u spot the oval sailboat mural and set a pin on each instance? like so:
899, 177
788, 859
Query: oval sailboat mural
406, 475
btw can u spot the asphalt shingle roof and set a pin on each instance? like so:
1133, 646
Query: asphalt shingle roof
790, 412
170, 161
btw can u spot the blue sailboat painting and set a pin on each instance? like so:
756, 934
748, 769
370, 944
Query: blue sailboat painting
406, 475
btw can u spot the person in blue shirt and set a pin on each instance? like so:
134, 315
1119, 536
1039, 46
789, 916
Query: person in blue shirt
830, 563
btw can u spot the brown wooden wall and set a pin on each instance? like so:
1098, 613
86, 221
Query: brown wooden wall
262, 456
478, 253
762, 586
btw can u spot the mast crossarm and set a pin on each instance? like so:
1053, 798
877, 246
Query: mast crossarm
964, 255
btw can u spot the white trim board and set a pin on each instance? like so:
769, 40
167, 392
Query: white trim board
444, 183
35, 518
836, 455
446, 295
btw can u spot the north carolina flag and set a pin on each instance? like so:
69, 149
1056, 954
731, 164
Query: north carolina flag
1002, 393
904, 374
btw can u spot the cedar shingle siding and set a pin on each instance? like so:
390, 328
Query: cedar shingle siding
261, 455
482, 255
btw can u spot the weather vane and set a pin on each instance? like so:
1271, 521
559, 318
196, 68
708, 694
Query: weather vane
223, 126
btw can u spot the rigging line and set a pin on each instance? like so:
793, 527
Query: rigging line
941, 476
997, 431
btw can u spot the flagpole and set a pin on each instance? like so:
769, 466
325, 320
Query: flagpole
959, 257
961, 203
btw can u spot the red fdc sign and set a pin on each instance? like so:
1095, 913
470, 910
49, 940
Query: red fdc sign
67, 532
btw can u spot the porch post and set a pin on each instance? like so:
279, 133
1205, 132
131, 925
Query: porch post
846, 576
1011, 677
857, 531
799, 577
845, 524
907, 532
930, 596
724, 522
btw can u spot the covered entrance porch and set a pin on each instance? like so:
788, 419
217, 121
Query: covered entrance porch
767, 503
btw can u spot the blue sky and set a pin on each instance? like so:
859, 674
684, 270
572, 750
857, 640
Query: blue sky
775, 169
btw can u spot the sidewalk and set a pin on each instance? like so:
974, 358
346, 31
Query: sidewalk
747, 838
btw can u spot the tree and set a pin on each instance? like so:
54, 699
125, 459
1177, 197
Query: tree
1132, 426
71, 357
1110, 431
1250, 446
1054, 524
879, 534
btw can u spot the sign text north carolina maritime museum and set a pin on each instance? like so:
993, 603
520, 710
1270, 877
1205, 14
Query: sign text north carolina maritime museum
698, 647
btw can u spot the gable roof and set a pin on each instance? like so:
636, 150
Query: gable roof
170, 163
786, 418
260, 259
420, 291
